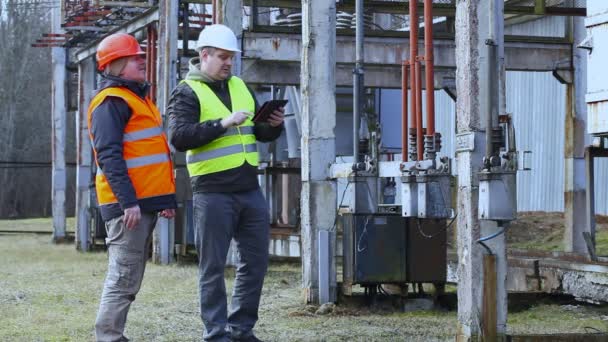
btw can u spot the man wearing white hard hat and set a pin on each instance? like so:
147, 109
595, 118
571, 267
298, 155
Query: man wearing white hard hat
210, 118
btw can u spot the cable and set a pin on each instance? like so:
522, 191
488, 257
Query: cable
340, 205
378, 26
592, 330
490, 237
433, 235
363, 233
486, 247
382, 290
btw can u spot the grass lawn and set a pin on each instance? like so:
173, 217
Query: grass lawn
51, 292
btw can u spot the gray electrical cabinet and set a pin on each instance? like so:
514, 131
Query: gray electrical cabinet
389, 248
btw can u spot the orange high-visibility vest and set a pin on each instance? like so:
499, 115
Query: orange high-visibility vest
145, 149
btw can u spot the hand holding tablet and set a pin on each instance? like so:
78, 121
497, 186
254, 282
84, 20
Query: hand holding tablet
263, 114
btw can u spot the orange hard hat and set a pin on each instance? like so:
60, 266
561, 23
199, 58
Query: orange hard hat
116, 46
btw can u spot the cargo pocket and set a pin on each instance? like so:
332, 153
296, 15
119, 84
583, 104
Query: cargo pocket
124, 269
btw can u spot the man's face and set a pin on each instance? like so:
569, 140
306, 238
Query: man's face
216, 63
135, 69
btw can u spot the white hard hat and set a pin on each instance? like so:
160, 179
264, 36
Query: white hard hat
217, 36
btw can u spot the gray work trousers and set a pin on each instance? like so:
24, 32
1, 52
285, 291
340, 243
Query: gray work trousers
219, 218
127, 253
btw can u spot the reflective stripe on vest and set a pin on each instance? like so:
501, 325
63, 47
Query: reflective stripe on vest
143, 161
142, 134
235, 131
237, 145
145, 149
221, 152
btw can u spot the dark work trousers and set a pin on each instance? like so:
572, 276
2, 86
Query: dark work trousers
127, 255
219, 218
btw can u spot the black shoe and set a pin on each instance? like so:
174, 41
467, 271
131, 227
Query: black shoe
251, 338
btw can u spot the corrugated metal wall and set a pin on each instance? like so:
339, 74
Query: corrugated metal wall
546, 180
537, 102
544, 27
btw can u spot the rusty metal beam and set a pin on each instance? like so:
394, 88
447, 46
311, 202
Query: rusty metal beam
134, 25
124, 4
395, 7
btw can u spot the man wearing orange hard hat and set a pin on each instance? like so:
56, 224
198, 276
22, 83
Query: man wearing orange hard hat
134, 181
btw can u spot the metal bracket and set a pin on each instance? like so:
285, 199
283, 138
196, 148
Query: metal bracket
522, 165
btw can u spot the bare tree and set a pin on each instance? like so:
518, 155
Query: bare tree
25, 106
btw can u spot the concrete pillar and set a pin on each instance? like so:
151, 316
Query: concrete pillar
86, 85
318, 196
474, 90
574, 148
164, 234
230, 13
58, 125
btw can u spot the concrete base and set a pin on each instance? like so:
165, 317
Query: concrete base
554, 273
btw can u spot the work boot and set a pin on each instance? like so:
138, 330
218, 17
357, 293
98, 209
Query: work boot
250, 338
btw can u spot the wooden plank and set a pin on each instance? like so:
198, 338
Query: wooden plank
489, 318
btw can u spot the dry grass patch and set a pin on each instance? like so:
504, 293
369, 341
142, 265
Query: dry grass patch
51, 292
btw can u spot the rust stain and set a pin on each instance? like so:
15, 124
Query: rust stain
276, 42
570, 138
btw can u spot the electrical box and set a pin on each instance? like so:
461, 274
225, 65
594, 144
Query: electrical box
379, 247
497, 196
389, 248
434, 196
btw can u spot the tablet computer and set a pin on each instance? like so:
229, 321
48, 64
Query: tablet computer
267, 108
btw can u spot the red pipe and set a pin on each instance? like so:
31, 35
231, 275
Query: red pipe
429, 69
419, 133
413, 55
404, 93
213, 16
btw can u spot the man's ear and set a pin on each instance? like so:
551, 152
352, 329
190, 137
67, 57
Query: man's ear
203, 54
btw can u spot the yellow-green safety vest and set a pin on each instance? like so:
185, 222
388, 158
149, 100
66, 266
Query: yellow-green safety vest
237, 145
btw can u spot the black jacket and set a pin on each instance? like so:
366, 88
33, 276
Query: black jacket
186, 132
108, 123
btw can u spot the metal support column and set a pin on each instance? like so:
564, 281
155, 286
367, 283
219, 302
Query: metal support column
58, 124
576, 116
164, 238
86, 84
588, 234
